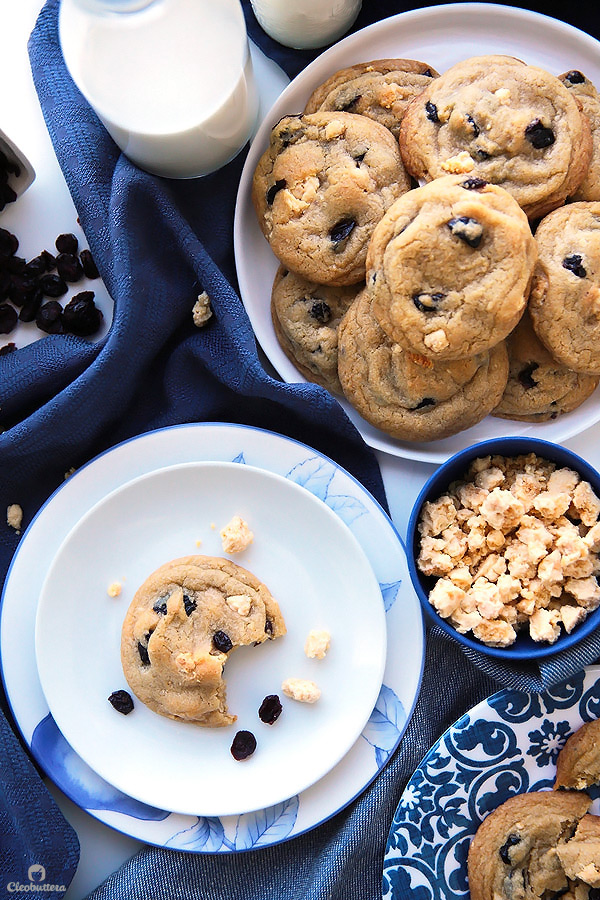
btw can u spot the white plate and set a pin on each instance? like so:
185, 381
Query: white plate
506, 745
440, 36
314, 567
376, 535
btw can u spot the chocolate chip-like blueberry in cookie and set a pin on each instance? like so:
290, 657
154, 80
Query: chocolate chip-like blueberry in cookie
514, 852
583, 89
321, 187
380, 89
410, 396
578, 763
306, 317
565, 295
449, 267
539, 388
181, 626
497, 118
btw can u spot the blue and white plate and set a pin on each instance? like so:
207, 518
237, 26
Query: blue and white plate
369, 525
506, 745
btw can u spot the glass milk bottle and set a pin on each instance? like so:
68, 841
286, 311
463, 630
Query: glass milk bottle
171, 80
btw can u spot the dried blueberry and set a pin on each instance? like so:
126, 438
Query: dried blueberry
143, 651
69, 267
345, 102
467, 229
36, 266
575, 77
574, 264
90, 270
428, 73
274, 189
480, 154
426, 401
525, 376
7, 348
22, 288
121, 701
474, 126
160, 606
222, 642
49, 317
243, 746
66, 243
189, 604
7, 195
268, 626
270, 709
8, 318
30, 308
427, 302
320, 311
53, 285
342, 230
81, 316
511, 841
431, 112
9, 243
539, 135
49, 259
473, 184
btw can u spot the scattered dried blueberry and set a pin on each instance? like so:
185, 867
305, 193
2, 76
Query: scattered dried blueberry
22, 289
538, 135
49, 259
7, 348
427, 302
66, 243
69, 267
270, 709
431, 112
473, 184
36, 266
90, 270
574, 264
49, 317
320, 311
575, 77
189, 604
8, 318
30, 308
121, 701
342, 230
426, 401
222, 642
143, 651
9, 243
243, 746
467, 229
525, 376
7, 195
511, 841
274, 189
81, 316
53, 285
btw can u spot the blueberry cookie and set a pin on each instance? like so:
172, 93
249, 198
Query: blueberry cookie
578, 763
580, 857
539, 388
449, 267
321, 187
180, 628
380, 89
499, 119
514, 852
565, 295
588, 96
306, 317
410, 396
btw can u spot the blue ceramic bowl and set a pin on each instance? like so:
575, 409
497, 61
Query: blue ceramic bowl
453, 469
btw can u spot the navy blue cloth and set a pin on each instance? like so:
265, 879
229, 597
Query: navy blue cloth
158, 243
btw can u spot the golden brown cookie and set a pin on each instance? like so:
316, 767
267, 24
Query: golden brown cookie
580, 856
499, 119
565, 295
582, 88
449, 267
321, 187
578, 763
539, 388
410, 396
181, 625
380, 89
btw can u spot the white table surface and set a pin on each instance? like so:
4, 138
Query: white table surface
43, 212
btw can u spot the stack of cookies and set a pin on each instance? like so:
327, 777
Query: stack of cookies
434, 267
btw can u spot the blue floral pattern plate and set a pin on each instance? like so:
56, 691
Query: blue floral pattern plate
506, 745
374, 532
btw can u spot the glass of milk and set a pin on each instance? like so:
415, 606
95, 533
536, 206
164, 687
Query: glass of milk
306, 23
171, 80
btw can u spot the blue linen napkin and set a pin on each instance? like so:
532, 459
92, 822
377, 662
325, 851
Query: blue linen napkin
158, 243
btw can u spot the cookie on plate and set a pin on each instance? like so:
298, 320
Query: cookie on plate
565, 295
499, 119
380, 89
580, 856
306, 317
410, 396
449, 267
514, 851
578, 763
539, 388
181, 625
321, 187
588, 96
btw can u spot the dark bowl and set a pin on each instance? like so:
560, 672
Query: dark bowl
453, 469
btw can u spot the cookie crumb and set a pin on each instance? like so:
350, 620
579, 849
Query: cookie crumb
114, 589
14, 517
457, 165
236, 535
239, 603
202, 310
317, 644
70, 472
301, 689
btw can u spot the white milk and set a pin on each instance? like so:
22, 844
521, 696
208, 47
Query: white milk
306, 23
172, 82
